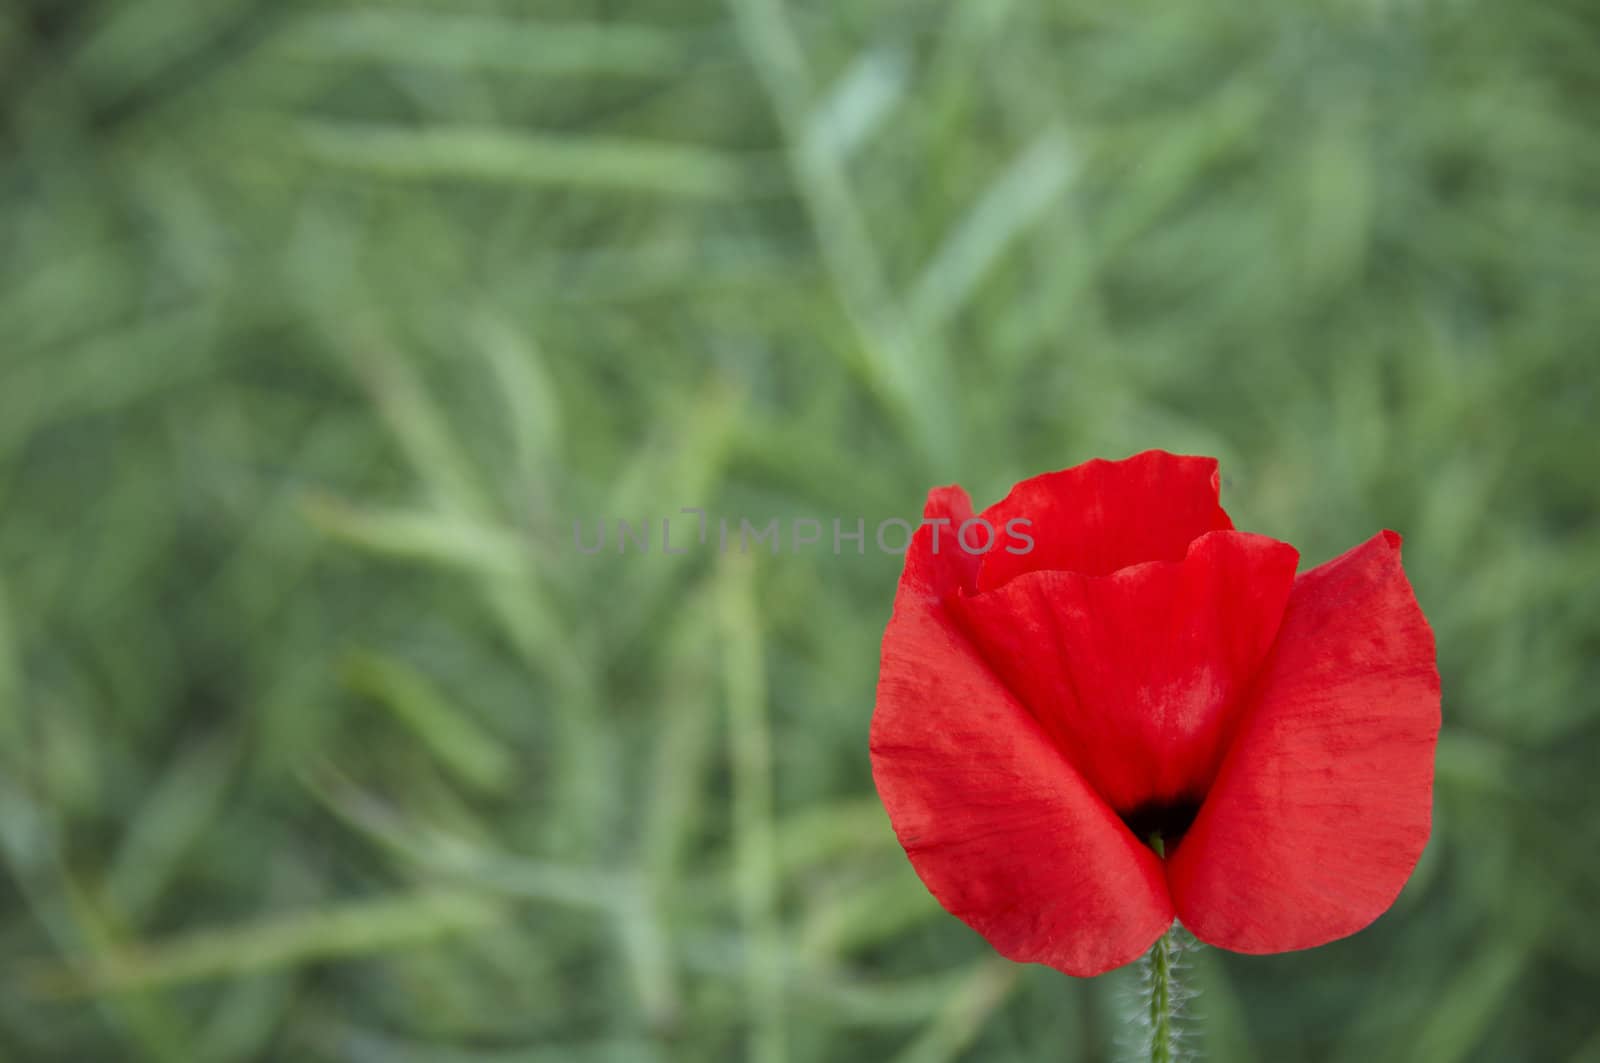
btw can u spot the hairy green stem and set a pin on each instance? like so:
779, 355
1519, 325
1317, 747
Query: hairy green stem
1160, 978
1158, 969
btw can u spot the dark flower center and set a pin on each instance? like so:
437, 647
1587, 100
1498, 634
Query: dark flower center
1164, 820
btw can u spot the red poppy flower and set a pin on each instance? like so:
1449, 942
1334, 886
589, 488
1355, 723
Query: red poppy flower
1137, 671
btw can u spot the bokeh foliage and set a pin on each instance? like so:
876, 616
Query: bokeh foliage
322, 321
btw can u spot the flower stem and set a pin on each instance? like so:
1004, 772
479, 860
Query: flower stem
1161, 983
1159, 973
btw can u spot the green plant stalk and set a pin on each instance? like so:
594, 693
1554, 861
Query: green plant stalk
1158, 963
1160, 977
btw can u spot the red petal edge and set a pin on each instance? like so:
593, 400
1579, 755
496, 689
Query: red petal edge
1005, 834
1324, 802
1102, 515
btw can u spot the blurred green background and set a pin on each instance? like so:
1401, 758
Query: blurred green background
322, 322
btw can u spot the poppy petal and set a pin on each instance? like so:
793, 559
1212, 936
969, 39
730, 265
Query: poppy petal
1102, 515
997, 823
1139, 675
1323, 804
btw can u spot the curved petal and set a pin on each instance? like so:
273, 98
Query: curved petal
1102, 515
1139, 676
999, 826
936, 565
1324, 802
